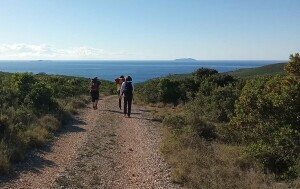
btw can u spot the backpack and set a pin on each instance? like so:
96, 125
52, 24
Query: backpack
128, 89
95, 85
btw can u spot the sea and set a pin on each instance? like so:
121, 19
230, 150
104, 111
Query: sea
139, 70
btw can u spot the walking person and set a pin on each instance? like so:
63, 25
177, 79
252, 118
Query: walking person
127, 91
119, 82
94, 92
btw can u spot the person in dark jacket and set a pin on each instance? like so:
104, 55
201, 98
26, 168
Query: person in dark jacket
94, 92
127, 89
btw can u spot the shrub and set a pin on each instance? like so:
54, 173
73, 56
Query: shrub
149, 92
168, 91
176, 122
221, 80
29, 110
202, 73
37, 135
40, 98
23, 83
197, 163
267, 118
293, 67
49, 122
280, 153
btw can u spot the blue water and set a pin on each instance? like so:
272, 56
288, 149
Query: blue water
139, 70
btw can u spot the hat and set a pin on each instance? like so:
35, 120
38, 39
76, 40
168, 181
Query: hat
122, 76
128, 78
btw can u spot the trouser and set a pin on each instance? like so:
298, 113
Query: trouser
127, 102
120, 99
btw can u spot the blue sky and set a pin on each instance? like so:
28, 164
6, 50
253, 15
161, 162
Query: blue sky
149, 29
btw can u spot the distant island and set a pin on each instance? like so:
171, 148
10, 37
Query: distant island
41, 60
186, 59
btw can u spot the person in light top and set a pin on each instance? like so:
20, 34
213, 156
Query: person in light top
127, 89
119, 82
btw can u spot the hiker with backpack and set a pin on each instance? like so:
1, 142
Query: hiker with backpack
127, 91
119, 82
94, 91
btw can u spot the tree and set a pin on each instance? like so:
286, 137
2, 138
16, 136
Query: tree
168, 91
202, 73
293, 67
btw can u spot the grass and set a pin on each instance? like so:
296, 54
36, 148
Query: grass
39, 132
4, 159
37, 136
49, 122
197, 163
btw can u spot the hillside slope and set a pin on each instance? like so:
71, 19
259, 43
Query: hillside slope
263, 70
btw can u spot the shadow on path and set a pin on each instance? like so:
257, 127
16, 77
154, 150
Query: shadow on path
34, 161
120, 112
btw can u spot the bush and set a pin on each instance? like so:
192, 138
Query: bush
23, 83
37, 135
148, 92
203, 73
176, 122
168, 91
267, 119
280, 154
30, 110
40, 98
49, 122
293, 67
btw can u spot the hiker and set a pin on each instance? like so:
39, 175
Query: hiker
127, 91
119, 82
94, 91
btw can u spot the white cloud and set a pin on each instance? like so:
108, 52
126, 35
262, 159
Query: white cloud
21, 51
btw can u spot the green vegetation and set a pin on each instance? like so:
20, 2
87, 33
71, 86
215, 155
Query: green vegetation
223, 131
33, 107
264, 70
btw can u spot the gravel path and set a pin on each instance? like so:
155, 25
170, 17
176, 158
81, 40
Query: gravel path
112, 152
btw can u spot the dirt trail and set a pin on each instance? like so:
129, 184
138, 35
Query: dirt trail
106, 150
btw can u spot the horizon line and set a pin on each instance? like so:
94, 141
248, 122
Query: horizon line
195, 60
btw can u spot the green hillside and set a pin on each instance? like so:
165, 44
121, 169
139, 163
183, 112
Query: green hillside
263, 70
270, 69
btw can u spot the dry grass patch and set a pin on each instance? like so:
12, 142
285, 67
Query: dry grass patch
49, 122
198, 163
37, 135
160, 111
